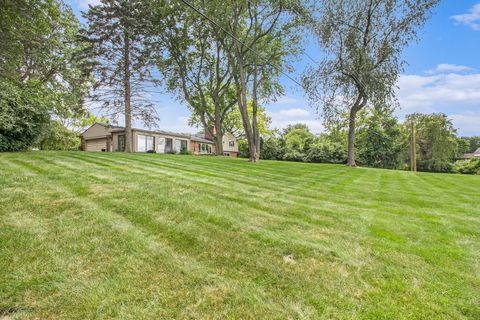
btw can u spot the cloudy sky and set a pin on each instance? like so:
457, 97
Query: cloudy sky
443, 75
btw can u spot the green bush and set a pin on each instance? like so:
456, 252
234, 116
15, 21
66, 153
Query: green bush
435, 165
57, 137
324, 152
294, 155
185, 151
471, 166
23, 116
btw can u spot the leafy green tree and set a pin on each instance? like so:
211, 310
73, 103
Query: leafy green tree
233, 122
363, 42
257, 40
271, 148
463, 147
119, 33
474, 143
436, 140
379, 139
296, 140
195, 67
43, 74
23, 114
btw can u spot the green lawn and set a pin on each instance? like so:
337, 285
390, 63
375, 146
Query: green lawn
146, 236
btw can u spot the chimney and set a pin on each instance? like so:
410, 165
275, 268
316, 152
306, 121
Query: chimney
208, 135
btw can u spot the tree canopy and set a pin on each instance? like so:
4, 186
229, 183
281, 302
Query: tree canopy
43, 74
363, 41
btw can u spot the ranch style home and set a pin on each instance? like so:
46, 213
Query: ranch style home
108, 138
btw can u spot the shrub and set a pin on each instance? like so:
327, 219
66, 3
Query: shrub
23, 116
151, 151
325, 152
293, 155
184, 150
471, 166
57, 137
435, 165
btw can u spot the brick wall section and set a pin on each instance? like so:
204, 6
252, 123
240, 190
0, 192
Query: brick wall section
193, 148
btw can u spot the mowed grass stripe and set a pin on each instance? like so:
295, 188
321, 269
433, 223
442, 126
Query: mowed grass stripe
182, 261
361, 260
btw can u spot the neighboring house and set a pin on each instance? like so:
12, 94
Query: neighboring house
230, 145
475, 155
107, 138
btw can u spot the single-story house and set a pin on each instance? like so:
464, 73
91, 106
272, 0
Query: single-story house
475, 155
108, 138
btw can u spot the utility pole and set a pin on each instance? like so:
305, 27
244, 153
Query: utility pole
413, 149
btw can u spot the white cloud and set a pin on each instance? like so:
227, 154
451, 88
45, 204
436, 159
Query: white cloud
471, 19
457, 95
420, 92
445, 68
83, 4
294, 113
281, 119
468, 123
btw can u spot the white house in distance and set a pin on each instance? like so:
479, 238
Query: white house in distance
108, 138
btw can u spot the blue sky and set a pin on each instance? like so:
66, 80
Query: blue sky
442, 75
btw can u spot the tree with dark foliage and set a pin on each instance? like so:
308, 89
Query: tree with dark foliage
119, 34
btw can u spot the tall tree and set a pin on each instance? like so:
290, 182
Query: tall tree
363, 42
119, 32
195, 67
436, 141
257, 37
379, 138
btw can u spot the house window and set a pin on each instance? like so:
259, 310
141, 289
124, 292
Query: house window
150, 143
121, 142
145, 143
231, 143
141, 143
161, 145
181, 146
184, 146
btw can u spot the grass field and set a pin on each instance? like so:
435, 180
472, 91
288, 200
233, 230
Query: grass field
110, 235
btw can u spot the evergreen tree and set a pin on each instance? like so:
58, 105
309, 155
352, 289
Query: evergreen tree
119, 32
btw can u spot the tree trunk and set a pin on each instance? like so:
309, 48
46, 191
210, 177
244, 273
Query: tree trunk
255, 155
127, 93
359, 104
219, 143
242, 105
351, 139
218, 127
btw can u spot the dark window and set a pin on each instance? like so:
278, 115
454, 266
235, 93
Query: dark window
121, 142
231, 143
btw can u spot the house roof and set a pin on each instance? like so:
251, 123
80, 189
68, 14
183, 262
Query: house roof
477, 151
200, 139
